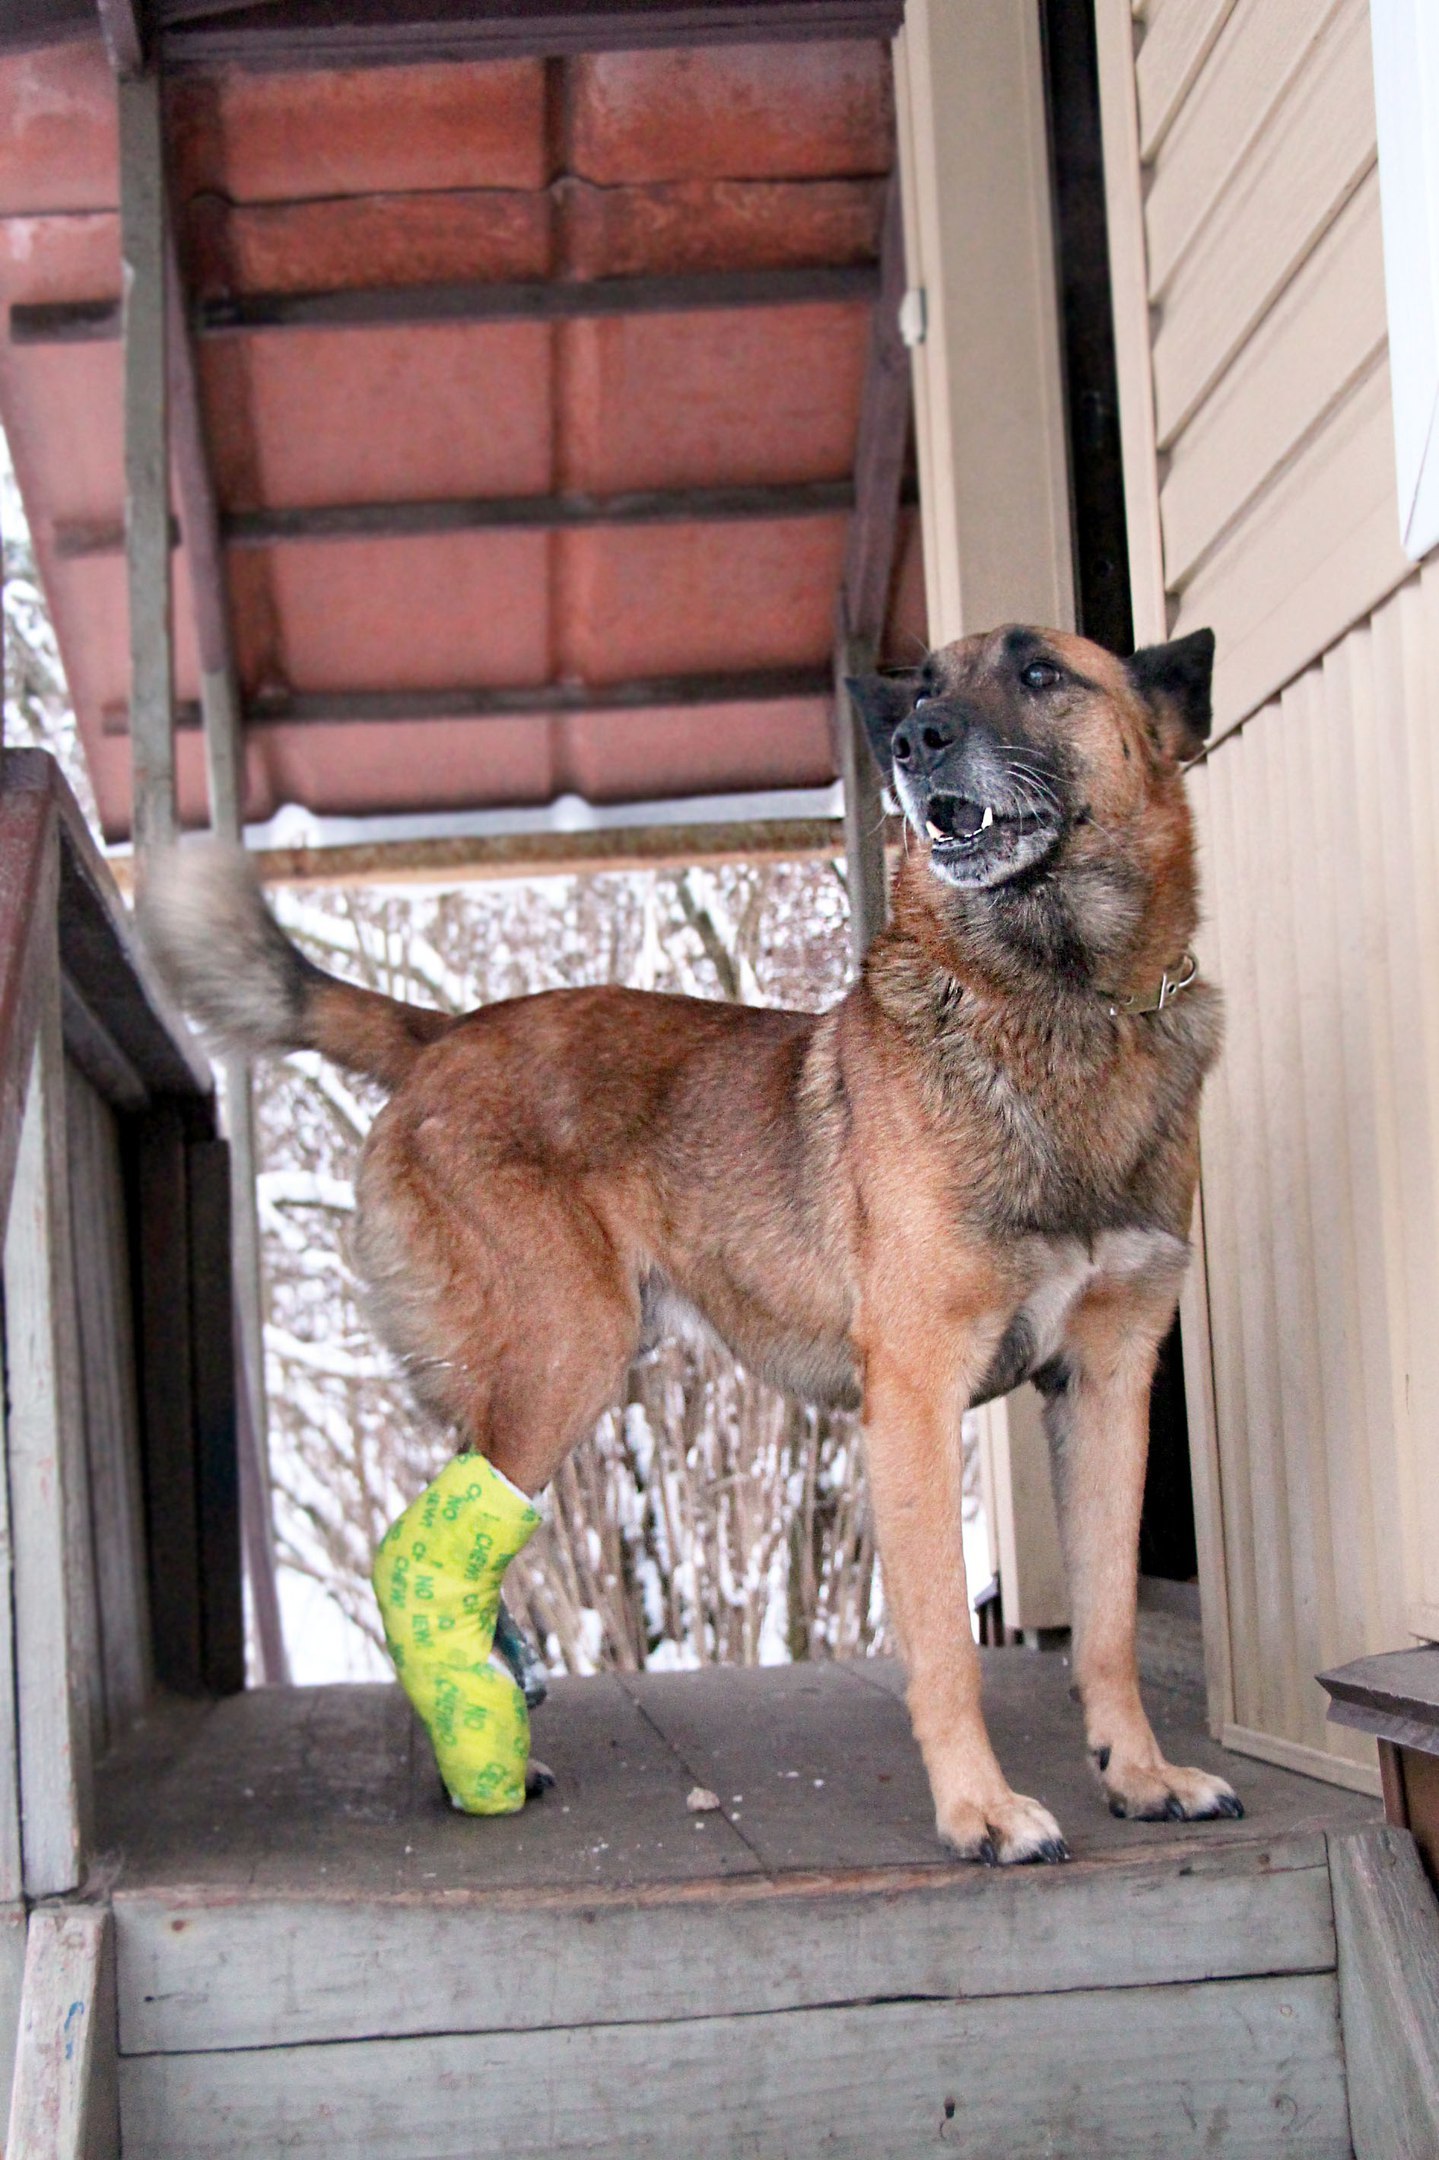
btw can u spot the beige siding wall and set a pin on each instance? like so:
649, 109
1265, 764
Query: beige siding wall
1240, 153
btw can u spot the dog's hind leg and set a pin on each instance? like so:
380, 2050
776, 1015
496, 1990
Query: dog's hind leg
1097, 1415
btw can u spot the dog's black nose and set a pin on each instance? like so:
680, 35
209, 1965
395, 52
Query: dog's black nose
923, 738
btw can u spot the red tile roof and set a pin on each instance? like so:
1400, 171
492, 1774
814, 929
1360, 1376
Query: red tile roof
599, 166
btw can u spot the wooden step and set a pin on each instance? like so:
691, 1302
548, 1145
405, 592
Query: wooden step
316, 1955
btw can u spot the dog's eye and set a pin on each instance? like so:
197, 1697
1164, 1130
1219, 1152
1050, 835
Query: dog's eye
1039, 675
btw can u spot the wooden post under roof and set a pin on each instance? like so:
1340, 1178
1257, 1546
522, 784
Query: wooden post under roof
224, 765
868, 575
147, 465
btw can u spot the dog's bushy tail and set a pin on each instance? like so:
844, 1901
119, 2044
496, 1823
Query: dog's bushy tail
203, 916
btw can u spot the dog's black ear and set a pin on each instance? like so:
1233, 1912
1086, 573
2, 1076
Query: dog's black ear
883, 701
1174, 680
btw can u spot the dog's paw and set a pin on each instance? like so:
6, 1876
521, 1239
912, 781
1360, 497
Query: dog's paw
539, 1779
1010, 1831
1158, 1792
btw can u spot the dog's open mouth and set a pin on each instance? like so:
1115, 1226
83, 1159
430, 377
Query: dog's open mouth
958, 822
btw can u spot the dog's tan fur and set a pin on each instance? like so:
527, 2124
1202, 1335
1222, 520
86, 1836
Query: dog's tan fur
970, 1168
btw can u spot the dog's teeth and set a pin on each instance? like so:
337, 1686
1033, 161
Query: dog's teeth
936, 832
987, 820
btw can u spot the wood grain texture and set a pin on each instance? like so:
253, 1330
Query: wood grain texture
64, 2101
333, 1792
1388, 1929
14, 1920
101, 1246
1246, 2066
167, 1397
56, 1646
147, 471
205, 1973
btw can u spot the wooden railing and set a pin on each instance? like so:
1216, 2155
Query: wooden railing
119, 1512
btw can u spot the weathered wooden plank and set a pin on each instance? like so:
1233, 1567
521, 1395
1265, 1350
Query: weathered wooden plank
13, 1923
147, 483
1388, 1929
64, 2102
81, 540
55, 1639
212, 1355
864, 818
207, 1973
107, 1369
27, 899
167, 1397
99, 951
1240, 2066
495, 301
1400, 1683
609, 847
740, 686
379, 32
1287, 192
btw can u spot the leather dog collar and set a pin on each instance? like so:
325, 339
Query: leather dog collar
1171, 982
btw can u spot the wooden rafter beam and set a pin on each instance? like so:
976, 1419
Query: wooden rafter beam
359, 33
124, 36
863, 603
78, 539
880, 447
71, 322
29, 25
750, 686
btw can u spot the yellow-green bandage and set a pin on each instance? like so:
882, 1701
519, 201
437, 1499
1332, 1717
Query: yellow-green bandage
437, 1576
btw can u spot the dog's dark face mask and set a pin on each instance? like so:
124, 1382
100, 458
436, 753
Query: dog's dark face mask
1003, 745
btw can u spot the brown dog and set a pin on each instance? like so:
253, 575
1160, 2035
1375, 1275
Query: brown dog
979, 1166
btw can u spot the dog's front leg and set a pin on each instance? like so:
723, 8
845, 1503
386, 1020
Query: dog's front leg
912, 1410
1097, 1415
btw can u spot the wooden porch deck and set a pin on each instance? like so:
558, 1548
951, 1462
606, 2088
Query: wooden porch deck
316, 1954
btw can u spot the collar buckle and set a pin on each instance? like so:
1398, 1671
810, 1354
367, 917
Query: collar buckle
1170, 985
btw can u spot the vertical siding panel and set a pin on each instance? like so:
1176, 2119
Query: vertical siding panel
1325, 1234
1218, 1129
1332, 1005
1409, 992
1378, 1173
1269, 1677
1418, 607
1276, 1022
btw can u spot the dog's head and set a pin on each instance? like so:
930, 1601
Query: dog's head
1007, 749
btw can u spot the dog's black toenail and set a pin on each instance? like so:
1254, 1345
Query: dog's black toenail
1101, 1757
1052, 1851
1231, 1805
1174, 1809
1117, 1809
988, 1854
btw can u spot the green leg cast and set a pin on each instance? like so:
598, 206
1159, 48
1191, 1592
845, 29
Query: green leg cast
437, 1578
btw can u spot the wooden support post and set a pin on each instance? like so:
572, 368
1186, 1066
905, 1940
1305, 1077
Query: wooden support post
65, 2100
147, 470
868, 574
167, 1397
863, 803
225, 769
993, 462
56, 1647
1387, 1927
